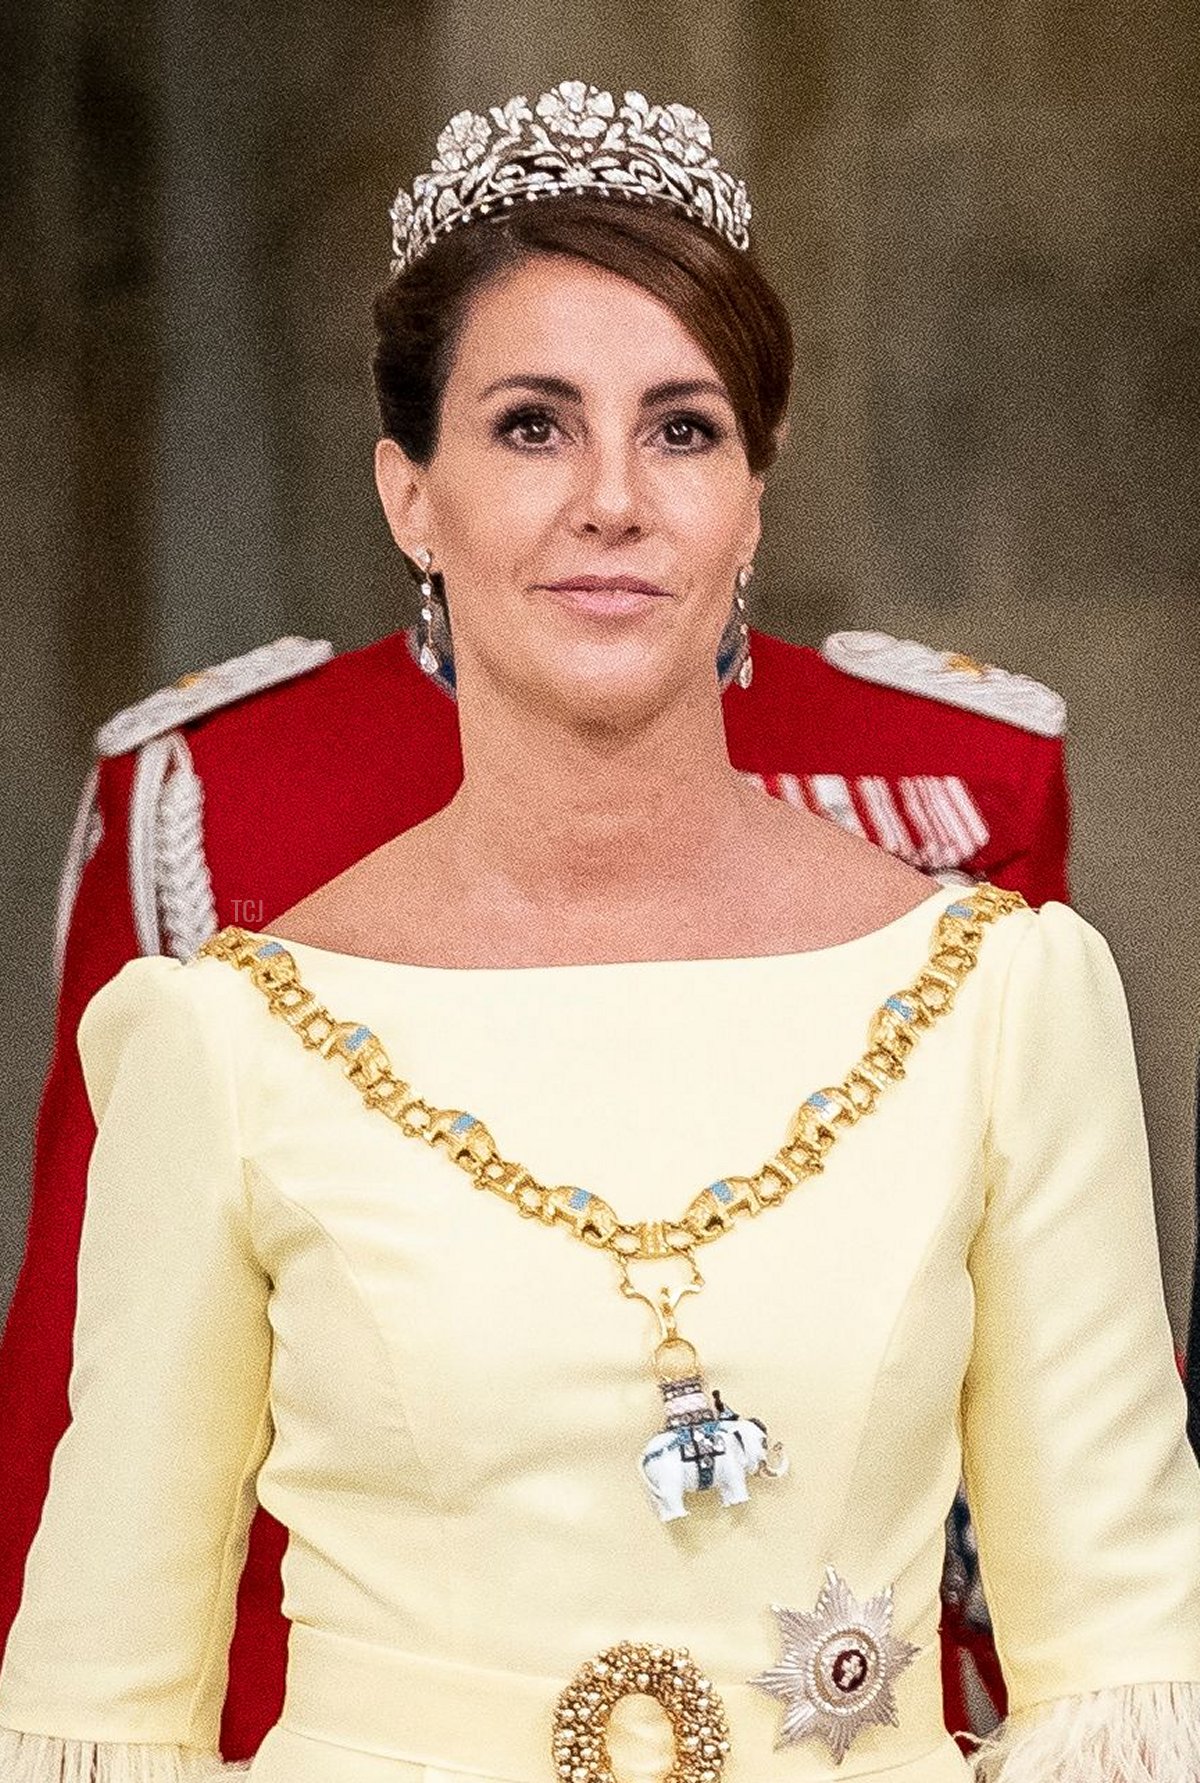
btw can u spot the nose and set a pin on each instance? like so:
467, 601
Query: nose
609, 501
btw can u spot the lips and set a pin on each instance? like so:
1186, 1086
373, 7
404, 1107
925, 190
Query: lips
606, 597
607, 585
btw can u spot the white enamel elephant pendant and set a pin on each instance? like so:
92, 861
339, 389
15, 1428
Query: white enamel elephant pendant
705, 1447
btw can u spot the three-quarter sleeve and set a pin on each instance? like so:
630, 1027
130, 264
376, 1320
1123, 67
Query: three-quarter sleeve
116, 1663
1085, 1492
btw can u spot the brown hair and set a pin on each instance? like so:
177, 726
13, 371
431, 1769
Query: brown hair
718, 293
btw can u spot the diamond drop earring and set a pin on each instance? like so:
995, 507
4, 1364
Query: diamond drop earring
428, 656
745, 674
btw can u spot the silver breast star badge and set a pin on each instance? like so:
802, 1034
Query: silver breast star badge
837, 1668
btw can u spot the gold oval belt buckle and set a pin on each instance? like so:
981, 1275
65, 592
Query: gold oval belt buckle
632, 1668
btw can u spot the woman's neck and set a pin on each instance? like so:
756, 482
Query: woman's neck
554, 814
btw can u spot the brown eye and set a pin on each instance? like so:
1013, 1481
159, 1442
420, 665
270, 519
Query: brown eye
688, 432
532, 428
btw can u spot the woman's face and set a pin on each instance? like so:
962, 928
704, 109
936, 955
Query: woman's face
589, 504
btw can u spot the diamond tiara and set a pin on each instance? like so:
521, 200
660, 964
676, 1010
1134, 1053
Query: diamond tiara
574, 141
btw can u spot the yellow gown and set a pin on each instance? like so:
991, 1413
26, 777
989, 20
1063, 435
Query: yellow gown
445, 1404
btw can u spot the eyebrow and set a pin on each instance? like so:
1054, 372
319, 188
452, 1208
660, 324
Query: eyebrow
675, 390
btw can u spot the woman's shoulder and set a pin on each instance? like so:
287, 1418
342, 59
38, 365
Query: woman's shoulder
159, 981
162, 1068
167, 1005
819, 885
1034, 967
1053, 942
1058, 985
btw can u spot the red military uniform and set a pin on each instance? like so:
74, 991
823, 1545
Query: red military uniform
231, 796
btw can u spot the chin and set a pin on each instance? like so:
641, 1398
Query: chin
611, 688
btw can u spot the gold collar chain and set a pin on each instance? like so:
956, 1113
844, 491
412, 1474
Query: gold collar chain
704, 1445
467, 1142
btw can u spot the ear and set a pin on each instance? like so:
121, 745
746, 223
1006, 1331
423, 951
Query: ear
404, 496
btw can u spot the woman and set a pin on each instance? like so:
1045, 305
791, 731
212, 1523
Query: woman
519, 1501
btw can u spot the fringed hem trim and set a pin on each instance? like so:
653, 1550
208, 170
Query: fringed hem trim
1142, 1733
39, 1758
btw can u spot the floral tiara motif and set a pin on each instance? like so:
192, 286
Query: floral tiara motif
574, 141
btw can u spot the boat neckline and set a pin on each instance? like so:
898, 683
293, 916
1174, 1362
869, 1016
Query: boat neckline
951, 894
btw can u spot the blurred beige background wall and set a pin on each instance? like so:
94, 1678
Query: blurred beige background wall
984, 217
